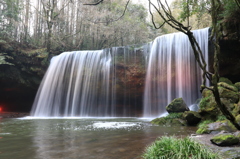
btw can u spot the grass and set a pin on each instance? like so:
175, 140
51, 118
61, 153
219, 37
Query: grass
174, 148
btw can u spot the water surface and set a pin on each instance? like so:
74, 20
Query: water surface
80, 138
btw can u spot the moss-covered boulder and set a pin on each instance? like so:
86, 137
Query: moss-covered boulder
169, 122
238, 119
173, 119
224, 139
208, 108
228, 91
236, 110
229, 96
226, 80
237, 134
203, 127
192, 118
219, 126
177, 105
206, 93
237, 85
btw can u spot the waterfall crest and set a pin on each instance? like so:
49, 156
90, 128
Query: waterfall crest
121, 81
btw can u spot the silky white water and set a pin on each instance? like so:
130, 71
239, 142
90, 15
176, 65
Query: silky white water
110, 82
173, 72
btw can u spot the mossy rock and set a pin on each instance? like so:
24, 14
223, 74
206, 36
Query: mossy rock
203, 130
207, 93
237, 85
192, 118
176, 106
173, 119
208, 108
224, 140
228, 103
236, 110
227, 86
226, 80
237, 134
159, 121
203, 127
230, 94
178, 122
219, 126
238, 119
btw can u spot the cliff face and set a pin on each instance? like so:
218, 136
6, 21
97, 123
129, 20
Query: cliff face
229, 64
21, 71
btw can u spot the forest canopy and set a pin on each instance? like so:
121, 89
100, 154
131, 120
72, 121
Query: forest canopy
70, 25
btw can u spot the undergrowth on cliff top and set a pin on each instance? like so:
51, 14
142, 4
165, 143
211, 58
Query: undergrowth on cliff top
174, 148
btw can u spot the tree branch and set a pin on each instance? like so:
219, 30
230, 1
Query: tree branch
112, 20
238, 3
94, 3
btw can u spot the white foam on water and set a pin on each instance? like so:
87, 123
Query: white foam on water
5, 133
32, 117
113, 125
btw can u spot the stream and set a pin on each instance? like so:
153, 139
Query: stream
80, 138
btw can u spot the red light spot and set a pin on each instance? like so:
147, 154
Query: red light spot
0, 109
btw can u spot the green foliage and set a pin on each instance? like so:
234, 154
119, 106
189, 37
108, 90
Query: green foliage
9, 12
192, 7
230, 8
174, 148
3, 57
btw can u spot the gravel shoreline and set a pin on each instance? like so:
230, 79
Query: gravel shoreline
13, 114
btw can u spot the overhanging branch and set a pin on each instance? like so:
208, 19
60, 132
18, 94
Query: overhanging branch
94, 3
112, 20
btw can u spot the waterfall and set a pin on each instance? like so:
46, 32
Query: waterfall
121, 81
90, 84
172, 71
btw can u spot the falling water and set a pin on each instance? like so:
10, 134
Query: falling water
90, 83
121, 81
172, 71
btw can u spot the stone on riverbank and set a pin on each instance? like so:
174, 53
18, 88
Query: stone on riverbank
225, 139
178, 105
192, 118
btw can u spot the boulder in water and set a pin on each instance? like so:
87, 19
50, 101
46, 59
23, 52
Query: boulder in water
176, 106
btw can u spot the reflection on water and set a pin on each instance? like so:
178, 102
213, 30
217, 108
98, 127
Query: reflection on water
123, 138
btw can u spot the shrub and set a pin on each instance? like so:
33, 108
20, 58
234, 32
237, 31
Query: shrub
174, 148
